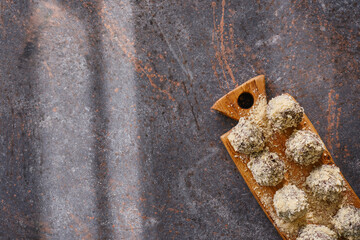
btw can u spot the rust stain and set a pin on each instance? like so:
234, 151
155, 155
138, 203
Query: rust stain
125, 45
153, 84
213, 67
48, 69
346, 152
45, 229
337, 124
223, 52
16, 216
83, 229
56, 11
219, 44
232, 40
217, 53
14, 19
2, 8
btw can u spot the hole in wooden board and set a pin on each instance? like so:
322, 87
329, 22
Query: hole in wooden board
246, 100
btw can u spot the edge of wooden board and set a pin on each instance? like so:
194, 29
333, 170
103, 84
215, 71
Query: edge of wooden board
241, 169
247, 176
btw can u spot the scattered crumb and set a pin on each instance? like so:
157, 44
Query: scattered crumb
299, 204
266, 200
320, 212
258, 112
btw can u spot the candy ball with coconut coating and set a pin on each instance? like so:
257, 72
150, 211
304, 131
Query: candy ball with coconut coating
326, 183
304, 147
347, 222
246, 137
267, 168
284, 112
316, 232
290, 203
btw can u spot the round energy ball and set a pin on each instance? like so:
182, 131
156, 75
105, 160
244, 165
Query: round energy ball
316, 232
246, 137
267, 168
347, 222
304, 147
284, 112
290, 203
326, 183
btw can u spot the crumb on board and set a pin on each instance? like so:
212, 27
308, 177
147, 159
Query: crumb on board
312, 210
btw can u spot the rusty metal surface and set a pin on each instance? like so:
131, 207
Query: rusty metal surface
105, 121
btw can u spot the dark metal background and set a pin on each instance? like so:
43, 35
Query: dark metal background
106, 128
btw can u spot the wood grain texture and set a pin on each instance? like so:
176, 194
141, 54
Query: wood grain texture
296, 174
228, 104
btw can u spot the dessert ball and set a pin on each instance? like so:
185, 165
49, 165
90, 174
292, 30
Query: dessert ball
326, 183
284, 112
246, 137
304, 147
316, 232
347, 222
267, 168
290, 203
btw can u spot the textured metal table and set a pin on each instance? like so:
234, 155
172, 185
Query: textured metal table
105, 121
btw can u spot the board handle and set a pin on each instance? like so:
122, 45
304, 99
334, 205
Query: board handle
238, 102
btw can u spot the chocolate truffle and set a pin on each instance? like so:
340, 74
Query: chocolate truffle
304, 147
326, 183
284, 112
267, 168
290, 203
316, 232
347, 222
246, 137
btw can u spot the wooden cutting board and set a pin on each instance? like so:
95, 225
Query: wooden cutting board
296, 174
